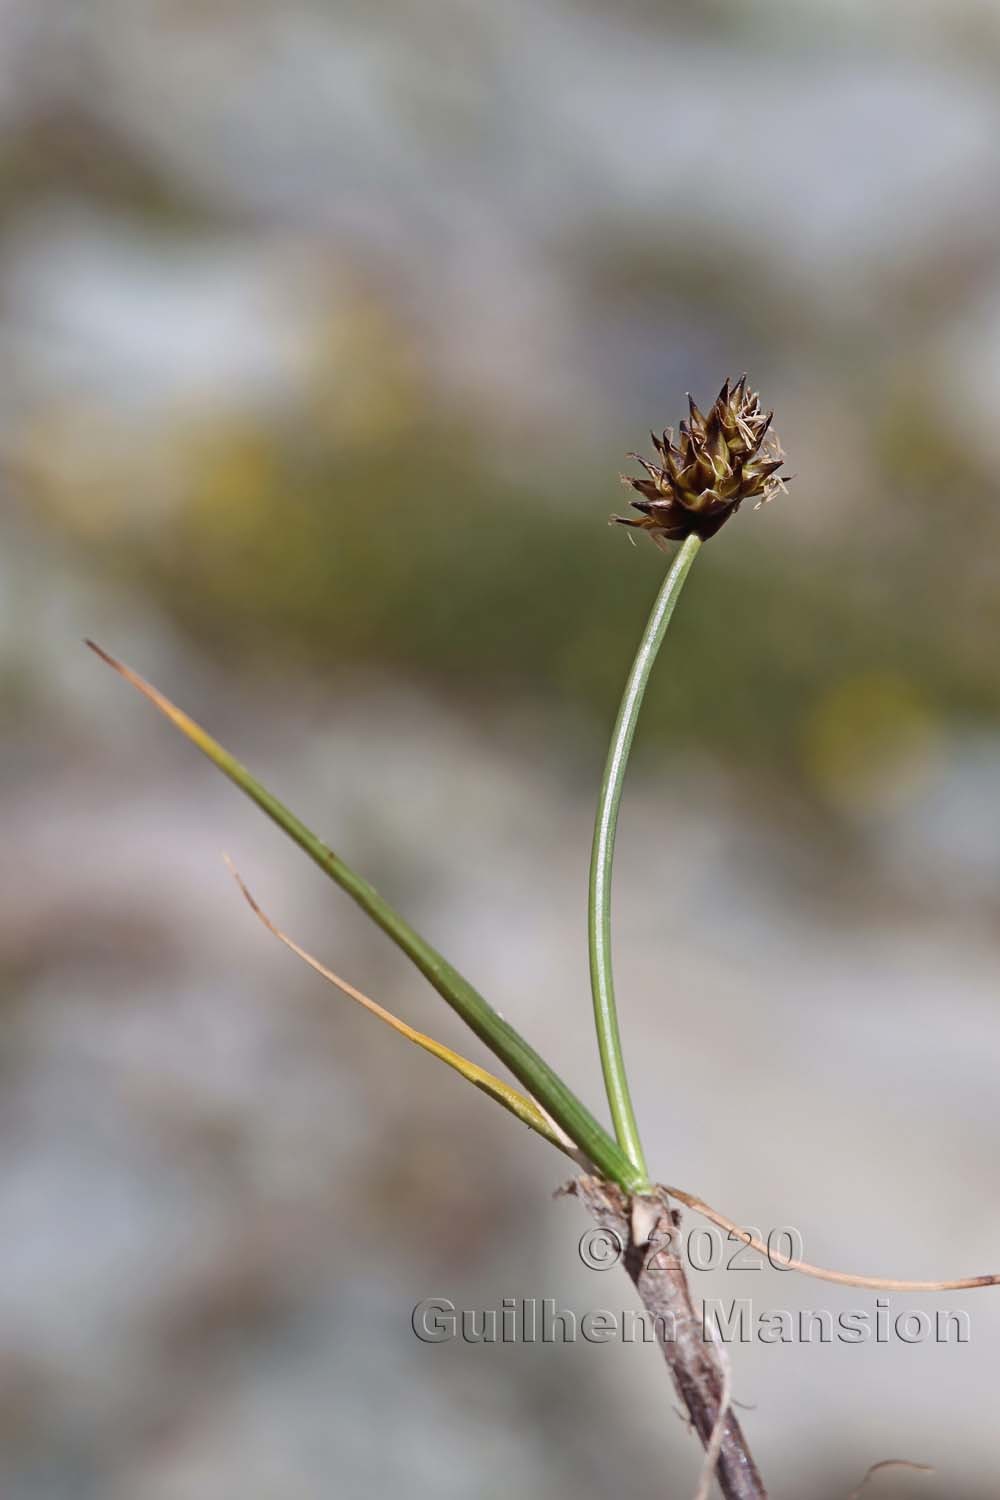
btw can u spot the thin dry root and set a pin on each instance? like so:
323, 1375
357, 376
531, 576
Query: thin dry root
843, 1278
889, 1463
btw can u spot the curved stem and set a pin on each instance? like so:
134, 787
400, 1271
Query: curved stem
602, 856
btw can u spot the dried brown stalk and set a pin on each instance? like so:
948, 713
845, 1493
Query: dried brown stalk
646, 1228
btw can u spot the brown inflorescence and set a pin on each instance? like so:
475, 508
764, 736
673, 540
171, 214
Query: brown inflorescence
717, 462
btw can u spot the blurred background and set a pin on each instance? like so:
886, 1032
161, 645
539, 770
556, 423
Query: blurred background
325, 329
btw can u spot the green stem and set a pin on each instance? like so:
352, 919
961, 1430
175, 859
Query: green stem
524, 1062
602, 856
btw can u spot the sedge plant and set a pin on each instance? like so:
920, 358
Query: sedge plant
696, 483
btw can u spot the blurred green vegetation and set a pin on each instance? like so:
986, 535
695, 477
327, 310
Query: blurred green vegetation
291, 552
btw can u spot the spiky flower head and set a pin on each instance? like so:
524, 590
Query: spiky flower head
717, 462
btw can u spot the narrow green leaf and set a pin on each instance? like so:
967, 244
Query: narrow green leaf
528, 1067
